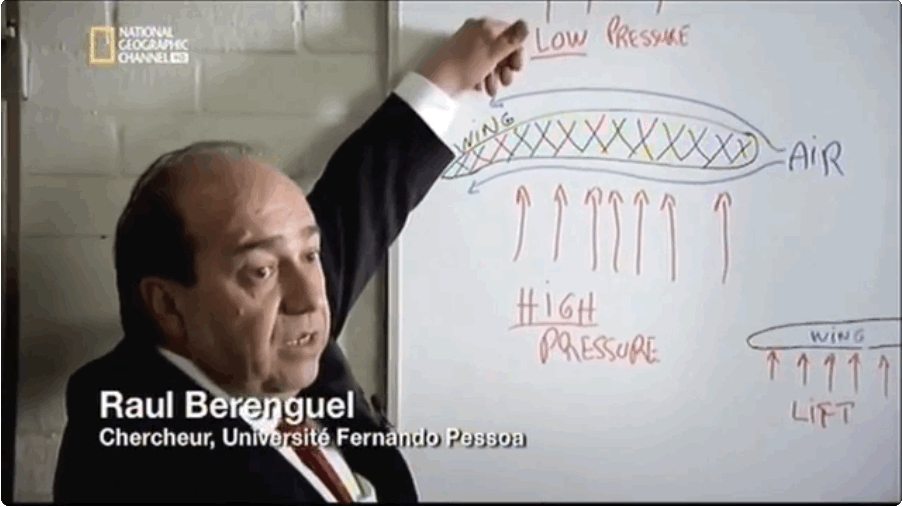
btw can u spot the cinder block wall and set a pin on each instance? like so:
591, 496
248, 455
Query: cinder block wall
299, 76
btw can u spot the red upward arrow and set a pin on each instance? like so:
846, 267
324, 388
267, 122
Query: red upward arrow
613, 199
522, 199
855, 361
593, 196
560, 194
830, 362
772, 359
560, 197
723, 203
884, 363
640, 200
803, 362
669, 203
722, 198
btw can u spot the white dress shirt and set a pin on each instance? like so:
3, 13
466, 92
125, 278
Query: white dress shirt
437, 110
430, 102
361, 490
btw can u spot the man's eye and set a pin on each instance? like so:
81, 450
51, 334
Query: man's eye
312, 256
262, 273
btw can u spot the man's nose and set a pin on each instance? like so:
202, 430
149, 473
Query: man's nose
302, 290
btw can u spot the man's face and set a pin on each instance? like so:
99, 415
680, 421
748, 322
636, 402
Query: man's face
257, 320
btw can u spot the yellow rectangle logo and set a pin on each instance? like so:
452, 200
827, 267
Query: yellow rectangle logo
102, 45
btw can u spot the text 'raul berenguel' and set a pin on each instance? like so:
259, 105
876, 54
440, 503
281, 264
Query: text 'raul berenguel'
198, 404
292, 410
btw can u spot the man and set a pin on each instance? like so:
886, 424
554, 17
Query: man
233, 284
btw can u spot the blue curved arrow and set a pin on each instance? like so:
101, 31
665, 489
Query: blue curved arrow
476, 184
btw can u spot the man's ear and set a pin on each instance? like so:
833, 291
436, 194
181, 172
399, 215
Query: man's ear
164, 301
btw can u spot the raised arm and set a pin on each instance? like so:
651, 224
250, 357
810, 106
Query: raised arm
384, 169
370, 186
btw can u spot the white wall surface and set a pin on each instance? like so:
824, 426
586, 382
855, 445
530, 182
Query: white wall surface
298, 76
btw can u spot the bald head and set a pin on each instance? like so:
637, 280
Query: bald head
217, 194
256, 317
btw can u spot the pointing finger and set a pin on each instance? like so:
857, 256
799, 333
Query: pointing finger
506, 75
516, 33
510, 40
491, 84
516, 60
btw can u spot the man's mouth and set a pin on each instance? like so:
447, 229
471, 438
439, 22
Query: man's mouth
303, 340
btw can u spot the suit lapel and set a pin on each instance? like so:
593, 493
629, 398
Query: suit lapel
273, 475
152, 374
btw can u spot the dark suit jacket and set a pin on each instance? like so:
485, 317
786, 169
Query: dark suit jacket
361, 202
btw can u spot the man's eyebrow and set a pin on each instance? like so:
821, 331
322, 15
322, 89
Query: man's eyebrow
310, 230
271, 242
264, 244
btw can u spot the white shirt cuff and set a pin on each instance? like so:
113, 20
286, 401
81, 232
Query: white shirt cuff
430, 102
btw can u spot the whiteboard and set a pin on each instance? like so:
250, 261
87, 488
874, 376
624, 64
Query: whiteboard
668, 255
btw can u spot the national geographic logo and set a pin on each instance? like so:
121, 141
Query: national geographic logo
108, 46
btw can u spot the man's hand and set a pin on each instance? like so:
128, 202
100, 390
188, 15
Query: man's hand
484, 53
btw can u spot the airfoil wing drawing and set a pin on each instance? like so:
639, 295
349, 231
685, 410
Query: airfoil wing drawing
639, 134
